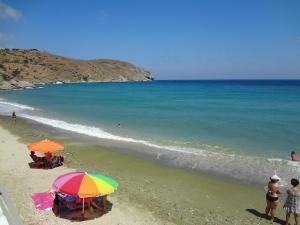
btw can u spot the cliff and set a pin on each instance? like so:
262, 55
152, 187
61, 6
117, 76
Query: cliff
21, 68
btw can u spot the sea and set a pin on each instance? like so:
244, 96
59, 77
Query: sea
243, 129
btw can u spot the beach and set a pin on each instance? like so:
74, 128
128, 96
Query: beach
149, 193
21, 182
171, 114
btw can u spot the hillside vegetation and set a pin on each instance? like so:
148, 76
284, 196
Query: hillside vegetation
21, 68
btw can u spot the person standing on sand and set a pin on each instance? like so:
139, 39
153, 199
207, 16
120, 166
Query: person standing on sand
14, 117
292, 203
272, 196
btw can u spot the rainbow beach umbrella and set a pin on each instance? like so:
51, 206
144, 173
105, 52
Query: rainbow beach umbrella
84, 184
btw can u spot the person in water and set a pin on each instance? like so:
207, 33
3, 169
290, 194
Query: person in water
14, 117
272, 196
292, 203
294, 157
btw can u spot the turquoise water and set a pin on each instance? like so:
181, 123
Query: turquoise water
241, 117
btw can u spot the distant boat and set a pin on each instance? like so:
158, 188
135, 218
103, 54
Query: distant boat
58, 82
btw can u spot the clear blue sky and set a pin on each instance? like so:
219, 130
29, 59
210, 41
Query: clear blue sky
199, 39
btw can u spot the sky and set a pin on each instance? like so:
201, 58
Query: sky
173, 39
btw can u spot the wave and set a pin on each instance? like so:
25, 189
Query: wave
277, 160
99, 133
241, 167
17, 105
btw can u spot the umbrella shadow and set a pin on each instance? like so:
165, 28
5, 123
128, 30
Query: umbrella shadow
32, 165
76, 215
263, 215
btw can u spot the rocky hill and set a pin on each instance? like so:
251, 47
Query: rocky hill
21, 68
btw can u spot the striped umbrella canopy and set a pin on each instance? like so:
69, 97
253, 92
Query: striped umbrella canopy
45, 146
84, 184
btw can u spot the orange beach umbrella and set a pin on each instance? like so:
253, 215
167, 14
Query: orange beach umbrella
45, 146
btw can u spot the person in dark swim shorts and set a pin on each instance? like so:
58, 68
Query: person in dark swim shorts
272, 196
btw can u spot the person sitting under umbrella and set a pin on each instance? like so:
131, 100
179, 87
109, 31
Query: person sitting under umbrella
98, 203
86, 185
48, 155
38, 162
48, 158
47, 147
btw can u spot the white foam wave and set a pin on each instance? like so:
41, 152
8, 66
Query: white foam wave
97, 132
16, 105
276, 160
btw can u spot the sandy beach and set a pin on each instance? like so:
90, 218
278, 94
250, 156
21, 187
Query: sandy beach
21, 182
148, 193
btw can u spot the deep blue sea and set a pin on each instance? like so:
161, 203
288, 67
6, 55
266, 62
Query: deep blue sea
255, 118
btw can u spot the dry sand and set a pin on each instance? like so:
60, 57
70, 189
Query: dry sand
21, 182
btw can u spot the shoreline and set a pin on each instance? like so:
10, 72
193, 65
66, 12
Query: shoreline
171, 195
221, 165
41, 85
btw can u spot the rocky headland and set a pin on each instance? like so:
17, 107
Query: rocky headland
20, 68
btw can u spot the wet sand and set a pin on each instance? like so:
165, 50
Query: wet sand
151, 192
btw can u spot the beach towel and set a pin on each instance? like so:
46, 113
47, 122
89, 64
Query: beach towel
43, 201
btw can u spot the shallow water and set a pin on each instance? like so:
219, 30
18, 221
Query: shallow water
221, 126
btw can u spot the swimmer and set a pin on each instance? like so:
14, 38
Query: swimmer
294, 157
